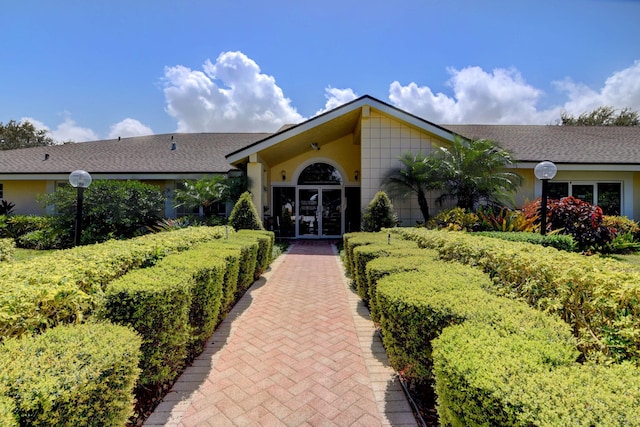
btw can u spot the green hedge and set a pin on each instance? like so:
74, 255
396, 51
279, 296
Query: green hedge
59, 287
175, 305
495, 360
353, 240
385, 266
207, 268
156, 303
248, 262
485, 376
415, 307
232, 257
7, 249
8, 418
362, 254
599, 298
266, 240
70, 376
561, 242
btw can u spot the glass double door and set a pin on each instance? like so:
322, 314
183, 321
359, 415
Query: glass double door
319, 212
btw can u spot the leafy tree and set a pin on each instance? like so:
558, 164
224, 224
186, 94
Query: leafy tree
111, 209
22, 135
379, 214
209, 191
603, 116
244, 215
471, 171
417, 176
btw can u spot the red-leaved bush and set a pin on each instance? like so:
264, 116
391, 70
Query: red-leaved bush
575, 217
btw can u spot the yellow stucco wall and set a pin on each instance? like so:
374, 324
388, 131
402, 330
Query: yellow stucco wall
23, 194
384, 140
527, 191
342, 153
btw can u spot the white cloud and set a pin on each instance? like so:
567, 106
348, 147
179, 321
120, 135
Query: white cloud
499, 97
336, 97
230, 95
68, 130
620, 90
129, 127
503, 97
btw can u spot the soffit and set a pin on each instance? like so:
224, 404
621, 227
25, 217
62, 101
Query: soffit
300, 142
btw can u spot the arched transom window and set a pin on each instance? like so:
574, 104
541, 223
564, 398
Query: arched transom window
320, 174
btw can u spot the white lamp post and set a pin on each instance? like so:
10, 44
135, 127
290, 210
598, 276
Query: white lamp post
79, 179
544, 171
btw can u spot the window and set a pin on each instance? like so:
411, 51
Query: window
1, 190
607, 195
320, 174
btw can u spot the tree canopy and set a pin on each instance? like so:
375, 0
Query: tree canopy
603, 116
22, 135
417, 176
467, 171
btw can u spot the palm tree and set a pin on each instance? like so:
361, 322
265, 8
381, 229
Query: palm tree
417, 176
209, 191
474, 170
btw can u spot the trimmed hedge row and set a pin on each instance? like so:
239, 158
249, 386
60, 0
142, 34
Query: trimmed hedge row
59, 287
381, 267
487, 377
173, 305
416, 306
364, 253
562, 242
495, 360
69, 376
599, 298
7, 248
266, 240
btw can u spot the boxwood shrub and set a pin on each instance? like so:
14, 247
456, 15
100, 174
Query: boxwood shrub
248, 262
60, 287
362, 254
561, 242
598, 297
266, 240
156, 303
70, 376
385, 266
415, 307
486, 376
8, 417
207, 269
7, 249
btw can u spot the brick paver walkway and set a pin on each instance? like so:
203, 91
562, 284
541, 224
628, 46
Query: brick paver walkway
298, 349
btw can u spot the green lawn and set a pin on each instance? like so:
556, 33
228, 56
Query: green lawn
24, 254
631, 259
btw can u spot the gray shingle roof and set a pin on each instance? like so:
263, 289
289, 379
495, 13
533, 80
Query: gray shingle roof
195, 153
561, 144
203, 153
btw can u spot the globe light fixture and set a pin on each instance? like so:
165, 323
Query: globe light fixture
544, 171
79, 179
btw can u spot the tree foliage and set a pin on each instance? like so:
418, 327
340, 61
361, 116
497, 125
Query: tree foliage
379, 214
471, 171
416, 176
22, 135
209, 191
467, 171
603, 116
111, 209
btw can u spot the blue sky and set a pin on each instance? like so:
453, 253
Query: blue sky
90, 70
